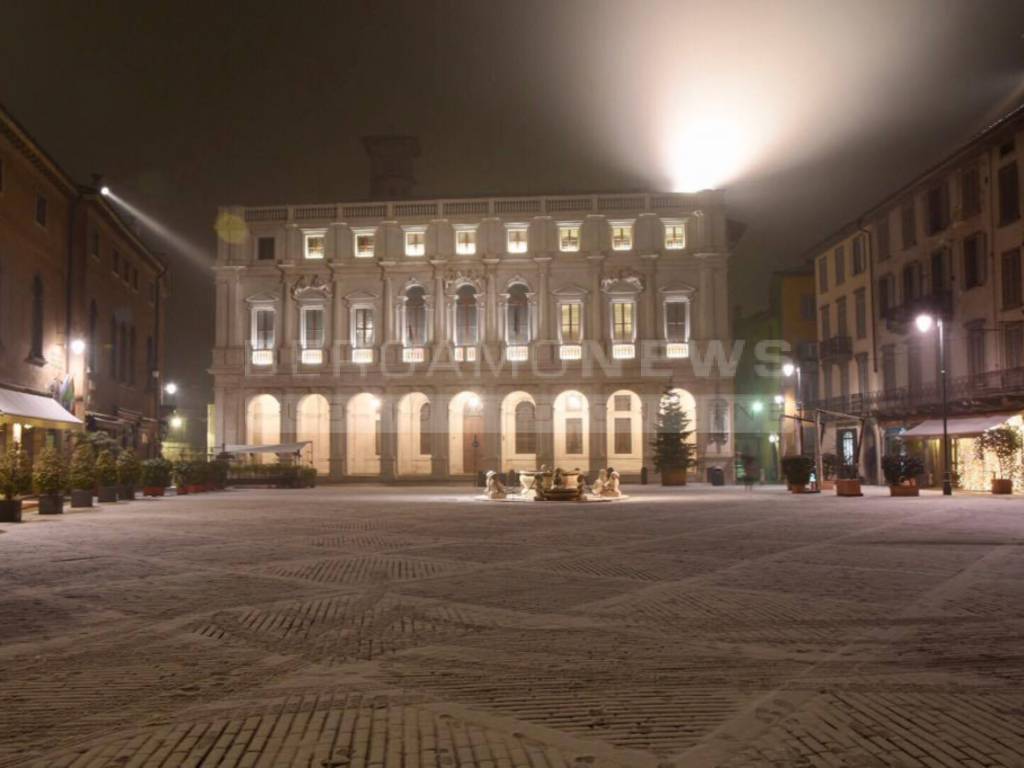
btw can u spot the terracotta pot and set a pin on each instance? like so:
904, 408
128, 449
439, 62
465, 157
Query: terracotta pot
153, 490
51, 504
793, 488
904, 490
828, 485
107, 494
10, 511
676, 476
197, 488
80, 498
848, 488
1002, 486
182, 490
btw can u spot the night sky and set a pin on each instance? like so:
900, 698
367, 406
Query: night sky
810, 110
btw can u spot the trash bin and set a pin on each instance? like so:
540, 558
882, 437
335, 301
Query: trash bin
716, 476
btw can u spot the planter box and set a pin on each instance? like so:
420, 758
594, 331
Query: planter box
153, 491
81, 499
10, 511
828, 485
181, 490
107, 494
668, 477
1001, 486
51, 504
848, 488
793, 488
904, 490
195, 488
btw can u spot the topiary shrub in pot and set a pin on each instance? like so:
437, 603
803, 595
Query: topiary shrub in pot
15, 481
155, 476
82, 476
829, 466
181, 471
848, 481
218, 474
49, 475
129, 471
797, 470
1005, 443
901, 471
198, 474
106, 477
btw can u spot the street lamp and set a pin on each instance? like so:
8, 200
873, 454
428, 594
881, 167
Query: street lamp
924, 324
170, 388
176, 422
77, 346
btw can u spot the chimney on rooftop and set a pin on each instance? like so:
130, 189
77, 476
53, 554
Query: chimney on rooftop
391, 160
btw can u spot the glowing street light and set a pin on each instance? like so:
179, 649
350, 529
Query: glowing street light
788, 369
176, 422
105, 190
757, 406
924, 323
779, 399
170, 388
77, 346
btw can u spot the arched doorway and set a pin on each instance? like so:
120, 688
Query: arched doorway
263, 424
518, 432
363, 440
625, 431
571, 423
313, 423
465, 434
414, 433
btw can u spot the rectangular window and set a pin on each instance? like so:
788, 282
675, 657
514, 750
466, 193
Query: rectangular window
622, 235
1013, 345
94, 245
622, 321
675, 235
938, 209
415, 242
888, 367
970, 193
882, 237
911, 282
263, 329
312, 328
677, 317
364, 327
1009, 194
975, 348
623, 436
265, 249
465, 241
914, 365
839, 257
516, 239
858, 255
41, 206
316, 245
975, 261
568, 237
826, 323
860, 309
823, 274
574, 435
571, 328
807, 306
885, 295
909, 221
1011, 279
862, 373
364, 243
841, 329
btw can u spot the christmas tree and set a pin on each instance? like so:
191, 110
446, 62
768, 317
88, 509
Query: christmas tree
671, 447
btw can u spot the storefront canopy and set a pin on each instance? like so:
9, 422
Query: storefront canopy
37, 410
275, 448
963, 426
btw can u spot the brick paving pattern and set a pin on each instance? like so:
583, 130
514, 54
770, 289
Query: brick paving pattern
371, 627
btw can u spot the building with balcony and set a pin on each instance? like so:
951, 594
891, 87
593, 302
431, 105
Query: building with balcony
947, 244
438, 338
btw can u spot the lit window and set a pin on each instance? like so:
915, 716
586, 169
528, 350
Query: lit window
570, 328
677, 320
415, 242
465, 241
622, 321
675, 235
415, 317
263, 336
622, 235
466, 316
516, 239
568, 237
363, 327
364, 243
316, 243
517, 320
312, 330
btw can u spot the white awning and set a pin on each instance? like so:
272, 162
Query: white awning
36, 410
275, 448
961, 426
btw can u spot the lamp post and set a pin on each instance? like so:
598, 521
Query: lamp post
924, 324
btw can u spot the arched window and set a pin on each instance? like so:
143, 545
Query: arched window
415, 317
526, 435
36, 352
518, 319
466, 317
93, 319
425, 448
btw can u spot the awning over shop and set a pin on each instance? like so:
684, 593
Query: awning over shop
275, 448
37, 410
962, 426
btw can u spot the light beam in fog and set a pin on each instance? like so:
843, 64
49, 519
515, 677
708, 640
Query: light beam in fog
178, 243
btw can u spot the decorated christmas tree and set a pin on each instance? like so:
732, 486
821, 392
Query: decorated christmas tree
672, 450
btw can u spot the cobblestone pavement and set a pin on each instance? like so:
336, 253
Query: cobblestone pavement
359, 627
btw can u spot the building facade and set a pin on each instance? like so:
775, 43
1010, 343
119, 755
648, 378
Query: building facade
440, 338
80, 308
949, 245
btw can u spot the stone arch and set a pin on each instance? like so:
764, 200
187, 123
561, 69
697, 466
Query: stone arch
571, 425
313, 423
412, 460
363, 435
518, 432
263, 423
625, 431
465, 427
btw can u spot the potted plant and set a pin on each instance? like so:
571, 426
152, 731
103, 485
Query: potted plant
82, 475
829, 464
1005, 443
197, 476
182, 472
106, 477
128, 473
49, 476
218, 471
901, 471
155, 476
673, 455
847, 481
14, 482
798, 470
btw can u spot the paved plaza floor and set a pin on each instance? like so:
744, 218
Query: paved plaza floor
358, 626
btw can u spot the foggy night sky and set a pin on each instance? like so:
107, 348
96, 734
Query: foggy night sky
814, 109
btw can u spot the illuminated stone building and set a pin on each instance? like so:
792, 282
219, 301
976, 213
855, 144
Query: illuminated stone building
947, 244
438, 338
